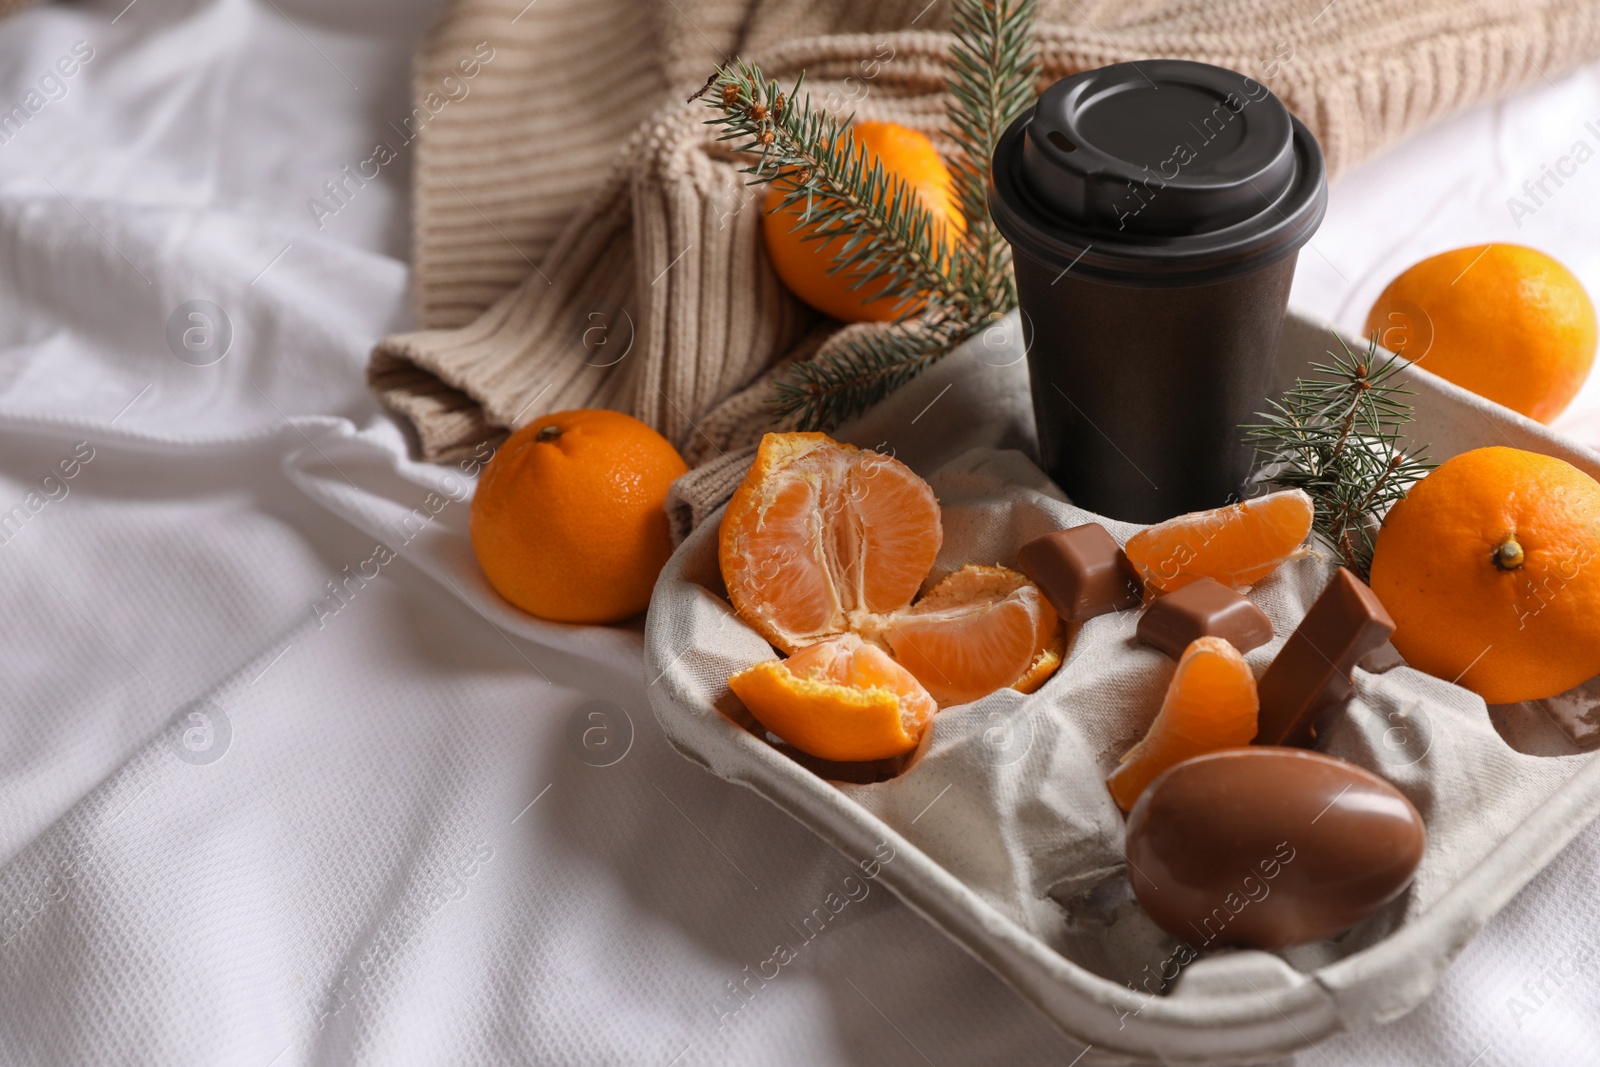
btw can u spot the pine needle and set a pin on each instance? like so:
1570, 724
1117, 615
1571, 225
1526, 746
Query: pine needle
1337, 436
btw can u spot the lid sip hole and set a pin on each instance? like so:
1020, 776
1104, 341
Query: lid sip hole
1057, 138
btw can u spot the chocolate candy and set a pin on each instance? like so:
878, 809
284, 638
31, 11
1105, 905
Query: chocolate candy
1203, 608
1311, 673
1269, 847
1081, 571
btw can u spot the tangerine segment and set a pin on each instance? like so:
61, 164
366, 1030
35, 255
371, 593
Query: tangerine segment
979, 629
820, 534
1045, 663
1210, 705
1238, 545
840, 699
1490, 567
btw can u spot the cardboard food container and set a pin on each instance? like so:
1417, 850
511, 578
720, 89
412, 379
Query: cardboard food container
1228, 1006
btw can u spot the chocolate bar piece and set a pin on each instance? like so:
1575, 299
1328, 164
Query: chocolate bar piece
1203, 608
1081, 571
1311, 673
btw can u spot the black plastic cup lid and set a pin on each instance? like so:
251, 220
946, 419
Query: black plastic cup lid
1160, 171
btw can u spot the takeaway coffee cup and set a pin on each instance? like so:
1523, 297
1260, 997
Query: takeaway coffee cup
1155, 211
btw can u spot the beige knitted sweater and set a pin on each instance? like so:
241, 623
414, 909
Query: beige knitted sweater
580, 241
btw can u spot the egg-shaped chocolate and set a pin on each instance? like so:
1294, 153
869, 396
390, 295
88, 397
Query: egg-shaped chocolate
1267, 847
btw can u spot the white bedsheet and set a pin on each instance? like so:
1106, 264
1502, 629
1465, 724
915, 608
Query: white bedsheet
270, 797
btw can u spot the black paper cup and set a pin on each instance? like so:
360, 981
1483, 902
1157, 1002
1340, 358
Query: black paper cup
1155, 211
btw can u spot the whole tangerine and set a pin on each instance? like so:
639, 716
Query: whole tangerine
804, 262
1490, 567
568, 522
1507, 322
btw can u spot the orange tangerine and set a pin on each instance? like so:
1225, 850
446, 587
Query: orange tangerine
821, 534
1505, 321
1210, 705
822, 548
1490, 567
568, 520
840, 699
1237, 545
804, 263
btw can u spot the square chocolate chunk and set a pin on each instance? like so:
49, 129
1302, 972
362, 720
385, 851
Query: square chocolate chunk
1203, 608
1082, 572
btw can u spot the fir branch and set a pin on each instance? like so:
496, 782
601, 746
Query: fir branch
1338, 436
861, 371
944, 292
887, 233
993, 70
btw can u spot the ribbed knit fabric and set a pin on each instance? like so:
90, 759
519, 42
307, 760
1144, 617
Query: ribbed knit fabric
580, 239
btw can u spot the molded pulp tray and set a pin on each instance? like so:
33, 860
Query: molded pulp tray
1230, 1007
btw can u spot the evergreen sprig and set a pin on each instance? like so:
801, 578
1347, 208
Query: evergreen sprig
943, 291
863, 370
813, 158
1338, 437
993, 71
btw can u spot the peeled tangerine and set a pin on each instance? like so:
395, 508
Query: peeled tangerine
820, 535
1237, 545
840, 699
1210, 705
822, 549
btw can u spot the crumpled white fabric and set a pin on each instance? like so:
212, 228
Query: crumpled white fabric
357, 875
